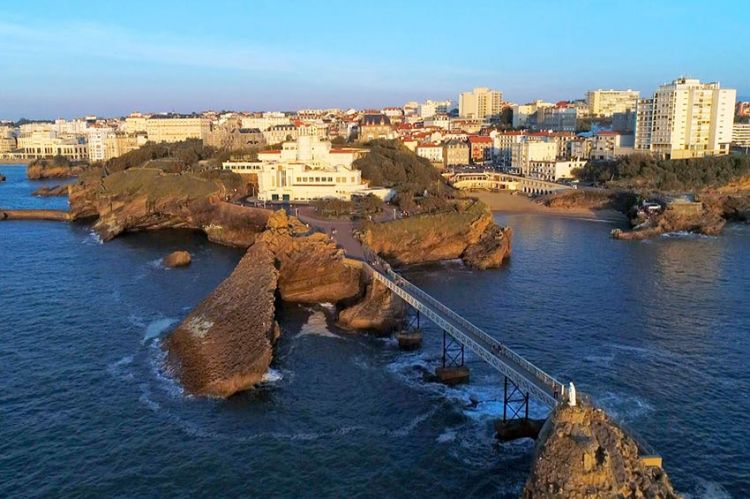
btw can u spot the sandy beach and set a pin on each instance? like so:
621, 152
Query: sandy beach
505, 202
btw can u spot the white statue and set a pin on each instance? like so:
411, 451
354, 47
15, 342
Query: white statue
572, 395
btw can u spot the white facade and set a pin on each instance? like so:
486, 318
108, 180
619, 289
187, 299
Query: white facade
480, 103
686, 119
432, 152
430, 108
608, 102
611, 145
304, 170
528, 151
741, 134
553, 170
97, 139
523, 112
266, 121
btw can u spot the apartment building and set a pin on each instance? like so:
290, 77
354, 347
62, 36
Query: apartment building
456, 152
555, 170
119, 143
375, 126
481, 148
686, 119
741, 134
430, 108
525, 152
605, 103
525, 114
431, 151
96, 139
176, 128
609, 146
480, 103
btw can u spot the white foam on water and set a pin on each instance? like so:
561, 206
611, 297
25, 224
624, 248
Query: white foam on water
92, 238
156, 328
272, 376
328, 306
446, 436
155, 264
120, 368
317, 325
708, 490
684, 234
625, 407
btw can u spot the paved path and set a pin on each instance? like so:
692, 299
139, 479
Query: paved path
344, 235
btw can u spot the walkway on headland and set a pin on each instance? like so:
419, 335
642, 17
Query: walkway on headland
525, 375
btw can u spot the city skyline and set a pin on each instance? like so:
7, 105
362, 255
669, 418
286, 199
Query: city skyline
240, 56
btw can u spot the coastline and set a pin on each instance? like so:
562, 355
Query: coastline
504, 202
14, 162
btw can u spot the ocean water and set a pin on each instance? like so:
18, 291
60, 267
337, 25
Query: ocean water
657, 331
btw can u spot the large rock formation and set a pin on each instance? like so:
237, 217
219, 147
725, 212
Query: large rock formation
225, 345
582, 453
468, 232
379, 310
177, 259
150, 199
42, 169
55, 190
311, 268
693, 217
52, 215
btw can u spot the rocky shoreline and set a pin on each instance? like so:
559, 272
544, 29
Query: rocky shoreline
581, 452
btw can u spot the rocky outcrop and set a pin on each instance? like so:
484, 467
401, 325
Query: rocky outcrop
468, 232
40, 170
2, 178
225, 345
582, 453
52, 215
698, 219
493, 246
311, 268
378, 311
177, 259
150, 199
56, 190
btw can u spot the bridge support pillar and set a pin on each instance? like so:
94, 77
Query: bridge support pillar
516, 423
453, 371
410, 338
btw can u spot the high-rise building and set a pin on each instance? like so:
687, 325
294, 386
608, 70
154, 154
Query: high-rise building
430, 108
686, 119
605, 103
480, 103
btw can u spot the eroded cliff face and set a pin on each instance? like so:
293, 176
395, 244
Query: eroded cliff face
40, 171
311, 268
582, 453
468, 232
226, 344
379, 311
149, 199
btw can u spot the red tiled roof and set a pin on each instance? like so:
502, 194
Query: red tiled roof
480, 138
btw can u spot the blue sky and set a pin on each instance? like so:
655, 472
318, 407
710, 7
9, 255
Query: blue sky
70, 58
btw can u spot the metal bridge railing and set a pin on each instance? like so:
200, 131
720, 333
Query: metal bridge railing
518, 359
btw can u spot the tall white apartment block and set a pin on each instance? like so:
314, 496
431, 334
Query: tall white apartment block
480, 103
686, 119
605, 103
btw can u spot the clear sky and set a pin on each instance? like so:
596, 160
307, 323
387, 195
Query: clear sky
75, 57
